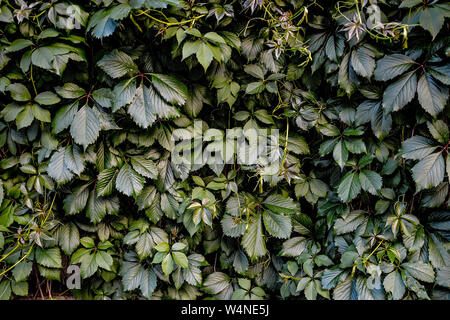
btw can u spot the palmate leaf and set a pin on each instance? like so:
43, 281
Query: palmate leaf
63, 118
219, 285
231, 227
340, 153
104, 22
204, 55
128, 181
76, 202
419, 270
393, 283
145, 167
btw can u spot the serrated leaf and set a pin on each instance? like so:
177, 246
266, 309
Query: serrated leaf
117, 64
349, 187
277, 225
432, 97
49, 257
128, 181
85, 127
253, 241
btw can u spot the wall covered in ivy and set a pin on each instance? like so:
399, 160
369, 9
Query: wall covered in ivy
351, 201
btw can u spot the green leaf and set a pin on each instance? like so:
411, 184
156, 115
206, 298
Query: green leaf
189, 48
340, 154
204, 55
170, 88
68, 238
400, 93
432, 96
145, 167
439, 130
41, 114
432, 20
279, 204
47, 98
85, 127
63, 118
147, 105
420, 270
106, 181
117, 64
70, 91
103, 260
60, 165
349, 187
429, 172
417, 148
443, 277
253, 241
19, 92
128, 181
350, 222
391, 66
19, 44
393, 283
167, 264
22, 271
180, 259
370, 181
277, 225
25, 118
135, 276
5, 290
49, 257
363, 61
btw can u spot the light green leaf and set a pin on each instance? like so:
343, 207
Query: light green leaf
19, 92
204, 55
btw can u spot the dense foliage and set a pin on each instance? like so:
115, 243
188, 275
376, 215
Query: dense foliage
92, 92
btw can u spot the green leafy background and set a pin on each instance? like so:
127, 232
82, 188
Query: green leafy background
92, 91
